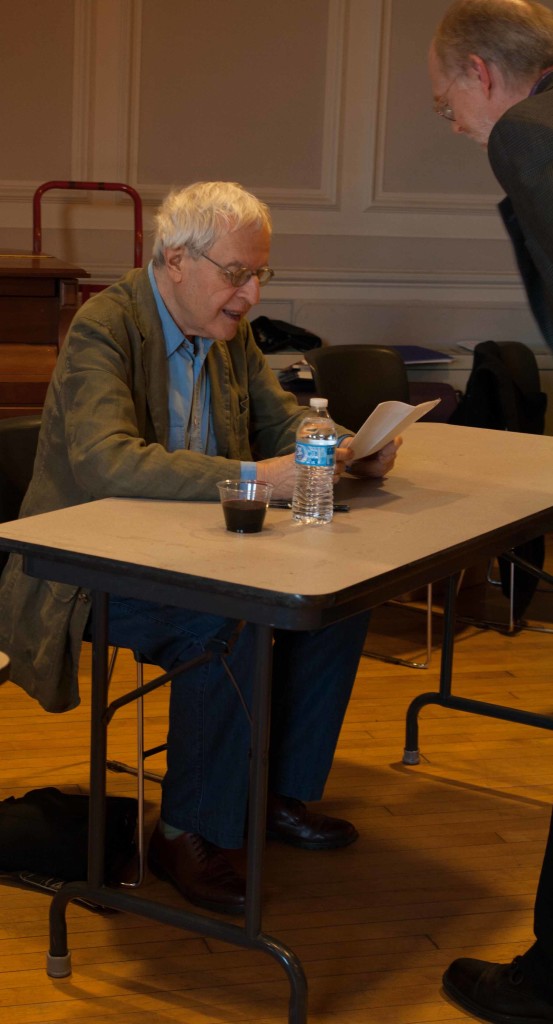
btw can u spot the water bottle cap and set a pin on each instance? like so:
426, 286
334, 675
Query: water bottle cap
318, 403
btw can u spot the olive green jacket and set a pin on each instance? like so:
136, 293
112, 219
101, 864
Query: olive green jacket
104, 434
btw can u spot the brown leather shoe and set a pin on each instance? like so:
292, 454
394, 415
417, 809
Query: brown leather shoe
501, 993
290, 821
199, 870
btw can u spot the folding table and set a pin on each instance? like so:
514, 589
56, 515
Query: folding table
456, 495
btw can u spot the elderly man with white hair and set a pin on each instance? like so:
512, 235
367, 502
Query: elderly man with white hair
160, 391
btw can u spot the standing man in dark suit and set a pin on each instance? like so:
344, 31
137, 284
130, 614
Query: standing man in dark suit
491, 68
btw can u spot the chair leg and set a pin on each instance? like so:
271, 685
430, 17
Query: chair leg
391, 659
512, 597
513, 625
140, 773
139, 780
112, 660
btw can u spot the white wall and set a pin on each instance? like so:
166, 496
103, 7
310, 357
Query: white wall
385, 223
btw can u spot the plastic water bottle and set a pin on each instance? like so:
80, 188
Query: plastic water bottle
313, 498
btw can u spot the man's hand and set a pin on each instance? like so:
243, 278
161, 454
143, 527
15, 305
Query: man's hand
376, 465
281, 471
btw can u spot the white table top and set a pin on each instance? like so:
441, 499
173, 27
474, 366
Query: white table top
456, 493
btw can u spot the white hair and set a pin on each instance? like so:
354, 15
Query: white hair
195, 216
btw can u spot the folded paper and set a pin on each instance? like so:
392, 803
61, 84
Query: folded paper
384, 423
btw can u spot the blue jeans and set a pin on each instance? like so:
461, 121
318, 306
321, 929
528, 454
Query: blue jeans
205, 789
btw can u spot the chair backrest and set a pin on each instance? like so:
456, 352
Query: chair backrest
18, 444
503, 393
355, 378
427, 390
503, 390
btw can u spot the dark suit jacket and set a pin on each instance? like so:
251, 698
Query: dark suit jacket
520, 151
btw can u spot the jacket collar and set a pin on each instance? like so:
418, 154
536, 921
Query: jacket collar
544, 82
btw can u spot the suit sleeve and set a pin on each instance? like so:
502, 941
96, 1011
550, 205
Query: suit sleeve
520, 151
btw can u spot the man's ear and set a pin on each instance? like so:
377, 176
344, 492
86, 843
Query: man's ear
482, 72
173, 262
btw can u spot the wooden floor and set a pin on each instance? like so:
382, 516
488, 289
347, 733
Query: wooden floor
446, 864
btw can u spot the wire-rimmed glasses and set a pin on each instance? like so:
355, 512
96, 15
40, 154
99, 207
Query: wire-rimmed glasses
442, 107
239, 276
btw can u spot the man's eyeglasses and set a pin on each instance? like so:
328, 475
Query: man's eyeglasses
241, 275
441, 105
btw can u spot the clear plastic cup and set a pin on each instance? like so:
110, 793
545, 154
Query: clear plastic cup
244, 503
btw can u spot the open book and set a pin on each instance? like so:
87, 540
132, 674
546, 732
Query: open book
384, 423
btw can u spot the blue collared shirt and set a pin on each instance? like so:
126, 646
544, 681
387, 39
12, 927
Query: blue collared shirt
190, 419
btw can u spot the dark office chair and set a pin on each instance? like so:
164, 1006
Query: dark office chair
18, 445
355, 378
18, 441
504, 393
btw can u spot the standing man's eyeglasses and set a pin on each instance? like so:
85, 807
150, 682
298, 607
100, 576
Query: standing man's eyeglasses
241, 275
441, 106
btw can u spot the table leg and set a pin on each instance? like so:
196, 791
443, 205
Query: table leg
446, 699
98, 738
250, 936
411, 754
58, 963
261, 716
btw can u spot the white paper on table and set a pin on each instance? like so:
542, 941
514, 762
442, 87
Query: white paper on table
384, 423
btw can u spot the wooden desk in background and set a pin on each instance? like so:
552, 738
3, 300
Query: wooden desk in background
38, 296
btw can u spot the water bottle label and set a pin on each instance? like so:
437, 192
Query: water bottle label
320, 453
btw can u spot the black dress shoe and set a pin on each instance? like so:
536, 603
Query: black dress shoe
198, 870
290, 821
501, 993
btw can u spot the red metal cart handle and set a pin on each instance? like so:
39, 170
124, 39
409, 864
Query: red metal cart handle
86, 186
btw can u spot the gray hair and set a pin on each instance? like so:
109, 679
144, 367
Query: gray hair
515, 35
195, 216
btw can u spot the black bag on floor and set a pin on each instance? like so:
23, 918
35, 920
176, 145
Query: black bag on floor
278, 335
46, 832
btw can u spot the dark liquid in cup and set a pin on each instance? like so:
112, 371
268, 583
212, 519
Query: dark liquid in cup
244, 516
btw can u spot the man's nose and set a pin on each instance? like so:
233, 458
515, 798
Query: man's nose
251, 290
456, 128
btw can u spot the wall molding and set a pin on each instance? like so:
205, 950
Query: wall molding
133, 118
83, 70
323, 198
112, 86
431, 202
402, 288
23, 191
381, 199
486, 290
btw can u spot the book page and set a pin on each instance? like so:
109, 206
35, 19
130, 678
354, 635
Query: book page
384, 423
